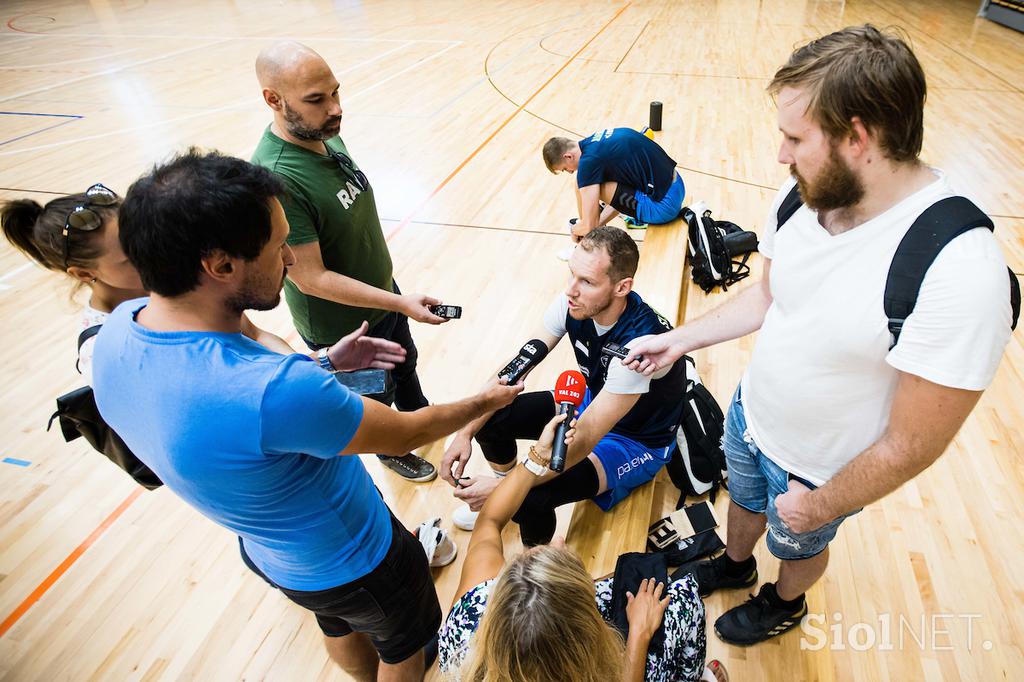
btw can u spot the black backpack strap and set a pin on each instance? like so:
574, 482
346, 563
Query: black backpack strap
790, 205
1014, 299
937, 226
86, 334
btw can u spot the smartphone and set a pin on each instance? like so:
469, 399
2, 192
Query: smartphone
617, 351
364, 381
449, 312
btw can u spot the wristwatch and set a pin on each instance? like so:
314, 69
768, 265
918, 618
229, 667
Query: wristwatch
325, 361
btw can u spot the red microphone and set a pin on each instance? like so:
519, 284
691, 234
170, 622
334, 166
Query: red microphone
569, 391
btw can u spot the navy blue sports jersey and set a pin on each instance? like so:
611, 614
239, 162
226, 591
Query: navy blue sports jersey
624, 156
654, 418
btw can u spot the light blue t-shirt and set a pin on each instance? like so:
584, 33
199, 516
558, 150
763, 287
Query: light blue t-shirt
250, 438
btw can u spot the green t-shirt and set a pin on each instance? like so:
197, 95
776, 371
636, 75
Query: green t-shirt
324, 204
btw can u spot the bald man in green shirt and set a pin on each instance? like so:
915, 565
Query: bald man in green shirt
342, 277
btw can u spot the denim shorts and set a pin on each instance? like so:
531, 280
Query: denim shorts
754, 483
664, 211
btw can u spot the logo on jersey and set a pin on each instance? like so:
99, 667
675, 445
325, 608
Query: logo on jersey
582, 348
347, 196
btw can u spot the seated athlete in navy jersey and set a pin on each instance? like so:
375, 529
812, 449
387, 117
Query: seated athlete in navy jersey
629, 172
626, 430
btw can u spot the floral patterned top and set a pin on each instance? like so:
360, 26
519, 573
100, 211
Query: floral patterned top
681, 659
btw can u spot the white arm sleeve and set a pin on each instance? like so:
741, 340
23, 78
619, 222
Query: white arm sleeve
624, 381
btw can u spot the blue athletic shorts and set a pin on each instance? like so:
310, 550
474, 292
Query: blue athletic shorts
627, 464
664, 211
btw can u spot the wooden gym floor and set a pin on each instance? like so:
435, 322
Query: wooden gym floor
446, 106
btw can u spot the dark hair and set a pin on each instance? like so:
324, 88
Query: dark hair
554, 149
38, 231
188, 208
861, 71
622, 252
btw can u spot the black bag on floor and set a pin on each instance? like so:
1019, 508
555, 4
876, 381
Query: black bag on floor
79, 417
714, 247
697, 465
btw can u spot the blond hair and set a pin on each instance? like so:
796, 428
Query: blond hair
554, 149
542, 624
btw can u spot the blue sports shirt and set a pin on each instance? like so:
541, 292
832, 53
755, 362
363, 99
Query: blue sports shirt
625, 156
250, 438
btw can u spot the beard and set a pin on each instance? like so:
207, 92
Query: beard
836, 186
587, 313
297, 127
256, 294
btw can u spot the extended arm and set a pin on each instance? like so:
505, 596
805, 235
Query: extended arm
485, 556
313, 279
922, 421
739, 316
386, 431
453, 464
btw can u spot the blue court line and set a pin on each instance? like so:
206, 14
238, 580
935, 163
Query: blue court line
17, 462
29, 113
69, 118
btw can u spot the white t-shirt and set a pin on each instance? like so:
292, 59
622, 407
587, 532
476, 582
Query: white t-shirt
90, 318
820, 383
620, 380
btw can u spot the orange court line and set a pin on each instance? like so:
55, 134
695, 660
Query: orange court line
49, 581
407, 219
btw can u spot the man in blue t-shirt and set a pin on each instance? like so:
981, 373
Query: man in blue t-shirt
626, 430
623, 168
254, 440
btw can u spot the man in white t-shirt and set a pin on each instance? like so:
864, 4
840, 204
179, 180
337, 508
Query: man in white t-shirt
828, 418
627, 424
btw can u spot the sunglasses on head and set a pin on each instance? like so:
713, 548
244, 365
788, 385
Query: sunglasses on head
83, 219
349, 168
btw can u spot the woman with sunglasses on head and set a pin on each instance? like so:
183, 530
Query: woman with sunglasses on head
77, 234
541, 617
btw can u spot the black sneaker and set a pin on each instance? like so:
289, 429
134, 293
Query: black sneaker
410, 467
711, 576
757, 620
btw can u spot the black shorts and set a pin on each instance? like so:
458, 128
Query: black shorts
395, 604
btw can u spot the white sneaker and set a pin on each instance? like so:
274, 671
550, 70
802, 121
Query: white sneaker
464, 518
439, 547
565, 253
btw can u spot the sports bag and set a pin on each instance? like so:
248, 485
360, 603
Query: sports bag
718, 249
79, 417
697, 465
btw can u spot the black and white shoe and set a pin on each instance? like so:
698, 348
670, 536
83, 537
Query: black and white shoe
410, 467
711, 575
757, 620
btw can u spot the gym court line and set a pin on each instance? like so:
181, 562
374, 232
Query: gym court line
408, 218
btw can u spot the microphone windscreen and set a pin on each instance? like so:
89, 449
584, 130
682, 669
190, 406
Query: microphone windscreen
534, 349
570, 387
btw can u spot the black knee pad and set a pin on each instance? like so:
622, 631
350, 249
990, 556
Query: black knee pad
624, 200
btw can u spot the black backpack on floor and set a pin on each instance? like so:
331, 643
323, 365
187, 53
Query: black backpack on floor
79, 417
718, 249
697, 465
938, 225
